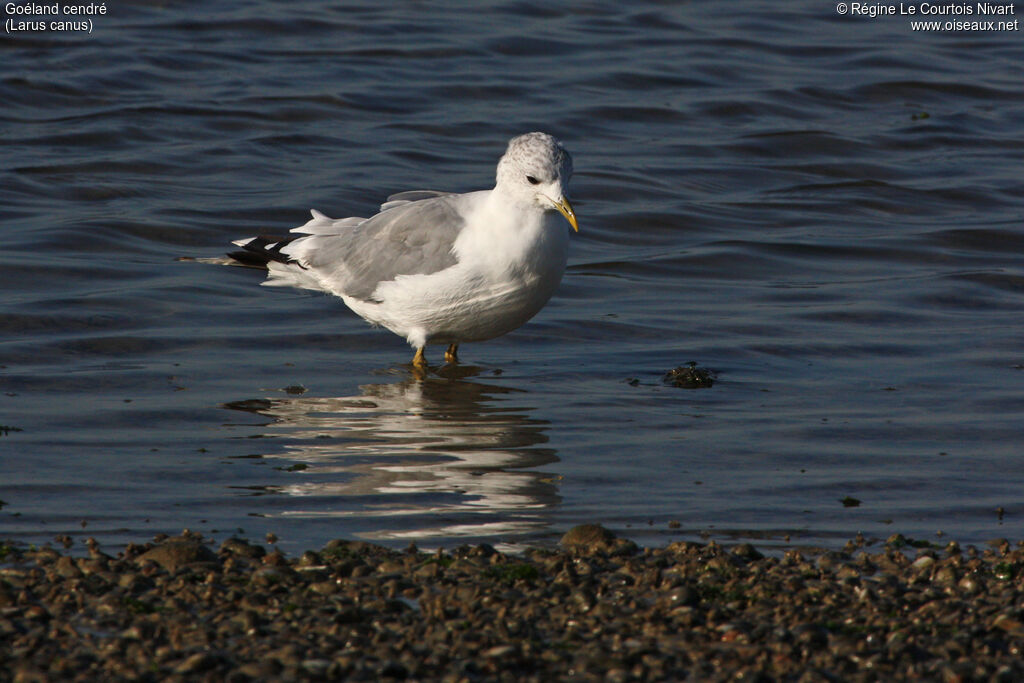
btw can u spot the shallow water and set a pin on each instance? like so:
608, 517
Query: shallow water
825, 210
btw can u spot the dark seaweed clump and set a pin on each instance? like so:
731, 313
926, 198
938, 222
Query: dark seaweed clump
690, 376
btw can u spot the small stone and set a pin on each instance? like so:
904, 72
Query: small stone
683, 595
847, 572
428, 570
197, 663
923, 563
587, 534
499, 651
275, 559
1011, 625
269, 576
621, 547
945, 575
393, 669
45, 556
134, 582
746, 551
174, 554
316, 667
36, 613
241, 548
588, 538
898, 540
811, 636
310, 559
969, 585
67, 568
324, 587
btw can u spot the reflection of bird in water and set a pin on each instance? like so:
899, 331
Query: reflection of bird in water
440, 268
438, 450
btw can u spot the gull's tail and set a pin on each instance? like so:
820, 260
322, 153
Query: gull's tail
286, 258
260, 251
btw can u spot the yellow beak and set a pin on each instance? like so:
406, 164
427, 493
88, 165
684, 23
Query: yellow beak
565, 208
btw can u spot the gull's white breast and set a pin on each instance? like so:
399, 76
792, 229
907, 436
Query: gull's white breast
509, 265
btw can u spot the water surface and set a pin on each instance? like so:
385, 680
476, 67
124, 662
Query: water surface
825, 210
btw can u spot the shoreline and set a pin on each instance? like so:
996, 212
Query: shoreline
598, 608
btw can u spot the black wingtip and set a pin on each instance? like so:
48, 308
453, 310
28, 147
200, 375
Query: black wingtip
248, 259
260, 251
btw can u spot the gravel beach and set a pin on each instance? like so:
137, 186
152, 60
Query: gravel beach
597, 608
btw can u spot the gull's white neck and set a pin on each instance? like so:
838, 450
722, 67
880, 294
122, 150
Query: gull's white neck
507, 232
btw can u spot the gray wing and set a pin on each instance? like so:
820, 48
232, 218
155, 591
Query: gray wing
409, 238
401, 198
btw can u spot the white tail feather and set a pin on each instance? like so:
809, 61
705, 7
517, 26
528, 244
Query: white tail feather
325, 225
290, 275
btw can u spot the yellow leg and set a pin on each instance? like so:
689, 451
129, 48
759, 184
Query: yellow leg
452, 354
419, 361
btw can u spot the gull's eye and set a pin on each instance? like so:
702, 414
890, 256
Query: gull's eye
533, 181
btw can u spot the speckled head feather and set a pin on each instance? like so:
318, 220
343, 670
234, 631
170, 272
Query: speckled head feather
534, 155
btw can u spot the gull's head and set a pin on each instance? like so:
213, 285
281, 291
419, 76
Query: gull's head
536, 169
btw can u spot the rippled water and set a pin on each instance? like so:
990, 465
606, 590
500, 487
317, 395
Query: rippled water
825, 210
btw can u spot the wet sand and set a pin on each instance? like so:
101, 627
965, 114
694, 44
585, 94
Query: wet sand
598, 608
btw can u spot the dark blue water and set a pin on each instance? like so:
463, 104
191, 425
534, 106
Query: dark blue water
825, 210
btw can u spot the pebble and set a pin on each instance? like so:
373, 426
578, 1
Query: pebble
172, 555
597, 609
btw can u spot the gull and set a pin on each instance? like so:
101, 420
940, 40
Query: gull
439, 267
